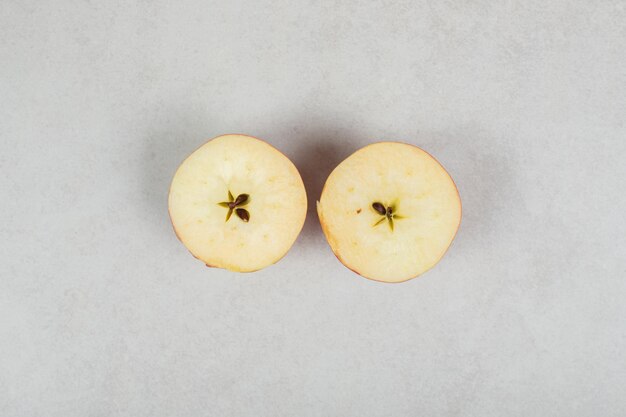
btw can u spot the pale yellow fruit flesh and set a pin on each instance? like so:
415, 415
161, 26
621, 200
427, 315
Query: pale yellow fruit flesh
242, 165
399, 175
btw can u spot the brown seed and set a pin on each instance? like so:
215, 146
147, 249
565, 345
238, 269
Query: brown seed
241, 198
243, 214
380, 209
389, 211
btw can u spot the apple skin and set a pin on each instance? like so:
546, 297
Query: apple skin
234, 268
333, 245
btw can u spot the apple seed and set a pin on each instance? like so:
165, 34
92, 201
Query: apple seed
233, 203
380, 209
243, 214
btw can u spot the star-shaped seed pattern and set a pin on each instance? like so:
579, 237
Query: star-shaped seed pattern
235, 205
388, 213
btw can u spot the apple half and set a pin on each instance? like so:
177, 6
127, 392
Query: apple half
389, 211
237, 203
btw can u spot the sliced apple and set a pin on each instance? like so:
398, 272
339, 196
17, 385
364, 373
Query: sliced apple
389, 211
237, 203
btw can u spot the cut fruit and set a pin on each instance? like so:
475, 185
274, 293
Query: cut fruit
389, 211
237, 203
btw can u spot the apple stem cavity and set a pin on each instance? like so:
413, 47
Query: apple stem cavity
235, 204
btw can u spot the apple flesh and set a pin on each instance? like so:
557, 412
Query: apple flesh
237, 203
389, 211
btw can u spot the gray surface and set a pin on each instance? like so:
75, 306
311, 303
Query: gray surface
104, 313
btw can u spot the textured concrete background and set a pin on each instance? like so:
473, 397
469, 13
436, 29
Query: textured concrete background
104, 313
